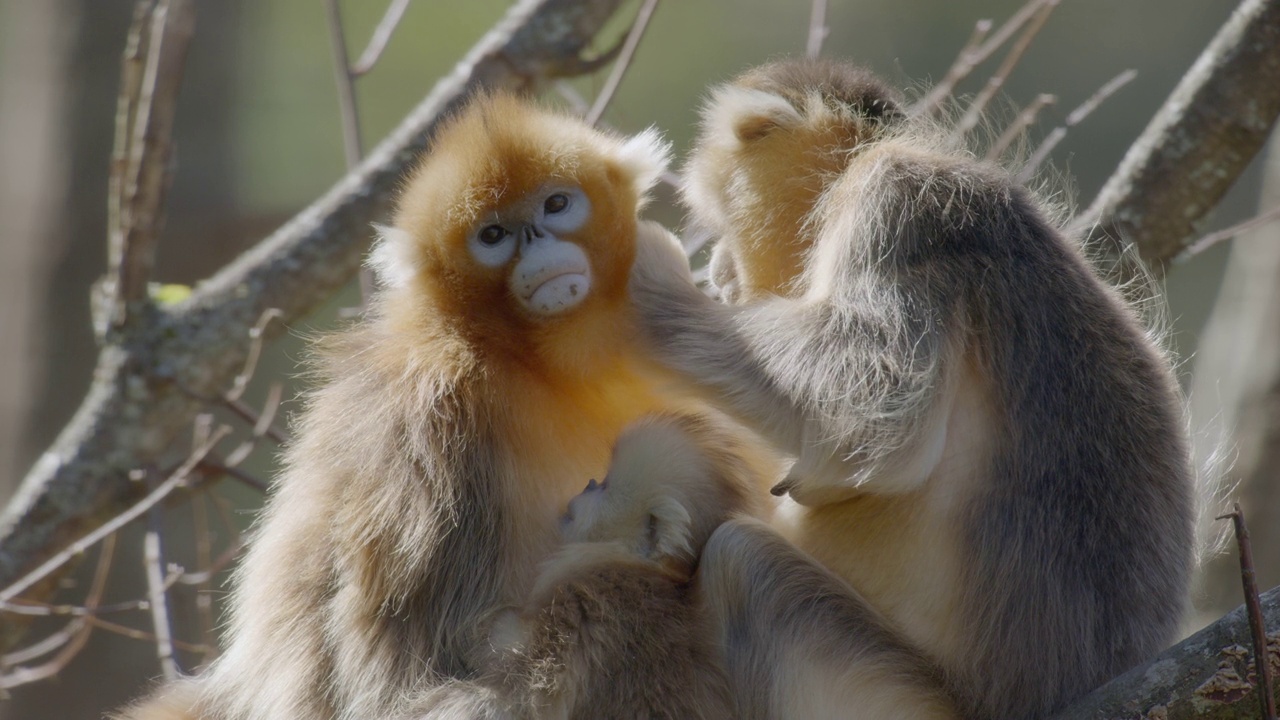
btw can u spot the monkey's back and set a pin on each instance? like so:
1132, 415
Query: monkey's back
1083, 538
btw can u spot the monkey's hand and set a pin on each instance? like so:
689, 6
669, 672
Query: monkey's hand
669, 306
660, 258
724, 277
661, 284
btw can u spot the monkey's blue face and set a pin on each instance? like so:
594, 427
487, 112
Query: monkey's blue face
549, 273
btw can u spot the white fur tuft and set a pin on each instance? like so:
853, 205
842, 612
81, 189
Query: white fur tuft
645, 157
392, 258
731, 105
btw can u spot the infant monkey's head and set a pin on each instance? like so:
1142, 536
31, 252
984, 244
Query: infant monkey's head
672, 480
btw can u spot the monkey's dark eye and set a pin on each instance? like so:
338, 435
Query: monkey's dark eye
493, 234
556, 203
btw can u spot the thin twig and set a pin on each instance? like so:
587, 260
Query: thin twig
71, 639
42, 647
153, 561
352, 145
624, 61
217, 468
201, 578
249, 415
175, 480
346, 86
974, 112
381, 36
275, 392
1088, 106
256, 338
262, 427
1253, 608
818, 29
576, 101
36, 609
141, 168
1024, 120
973, 54
136, 634
1214, 238
1074, 118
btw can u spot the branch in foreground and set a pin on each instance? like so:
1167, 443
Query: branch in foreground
1208, 676
1199, 142
135, 408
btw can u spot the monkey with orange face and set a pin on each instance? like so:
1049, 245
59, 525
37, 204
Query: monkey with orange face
496, 368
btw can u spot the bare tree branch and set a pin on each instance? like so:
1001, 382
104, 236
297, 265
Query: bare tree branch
1214, 238
1199, 142
175, 480
625, 55
818, 29
380, 38
1206, 676
974, 52
140, 164
70, 640
1076, 116
974, 112
134, 409
345, 82
1024, 120
1253, 611
157, 597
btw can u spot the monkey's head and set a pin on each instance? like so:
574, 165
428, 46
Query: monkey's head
771, 141
672, 480
517, 220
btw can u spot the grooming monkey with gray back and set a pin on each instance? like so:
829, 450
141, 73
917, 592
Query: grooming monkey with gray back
988, 446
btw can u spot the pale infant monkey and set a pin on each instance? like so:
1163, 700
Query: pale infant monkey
989, 447
613, 628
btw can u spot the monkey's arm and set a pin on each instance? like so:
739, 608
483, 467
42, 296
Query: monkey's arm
379, 553
849, 379
800, 642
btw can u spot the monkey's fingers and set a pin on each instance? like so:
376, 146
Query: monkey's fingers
660, 257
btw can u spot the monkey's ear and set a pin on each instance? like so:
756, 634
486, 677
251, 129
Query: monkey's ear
645, 157
669, 529
392, 258
748, 114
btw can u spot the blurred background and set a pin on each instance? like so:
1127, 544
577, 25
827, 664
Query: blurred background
258, 136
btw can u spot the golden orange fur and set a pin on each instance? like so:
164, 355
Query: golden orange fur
448, 431
614, 627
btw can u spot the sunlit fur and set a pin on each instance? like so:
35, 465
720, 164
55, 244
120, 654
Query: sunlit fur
989, 448
613, 628
444, 437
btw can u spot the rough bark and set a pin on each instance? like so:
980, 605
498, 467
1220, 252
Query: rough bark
146, 375
1208, 676
1198, 143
